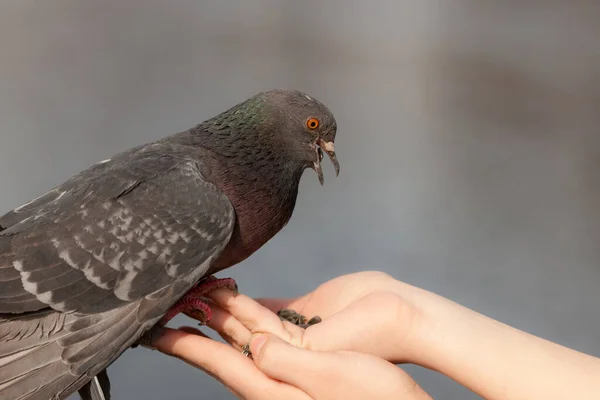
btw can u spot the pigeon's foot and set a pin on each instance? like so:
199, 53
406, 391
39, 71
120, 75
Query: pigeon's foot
297, 319
190, 305
193, 305
212, 283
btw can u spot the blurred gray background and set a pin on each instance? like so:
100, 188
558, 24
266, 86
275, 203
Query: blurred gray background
468, 137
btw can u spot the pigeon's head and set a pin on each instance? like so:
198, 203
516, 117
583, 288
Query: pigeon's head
278, 127
305, 127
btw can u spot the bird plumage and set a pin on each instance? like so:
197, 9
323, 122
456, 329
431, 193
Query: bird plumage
89, 267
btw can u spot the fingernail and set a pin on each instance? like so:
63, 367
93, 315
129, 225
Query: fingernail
256, 344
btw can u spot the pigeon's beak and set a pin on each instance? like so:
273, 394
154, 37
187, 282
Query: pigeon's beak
327, 147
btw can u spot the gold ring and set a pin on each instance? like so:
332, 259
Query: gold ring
246, 350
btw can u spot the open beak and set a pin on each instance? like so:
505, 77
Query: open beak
327, 147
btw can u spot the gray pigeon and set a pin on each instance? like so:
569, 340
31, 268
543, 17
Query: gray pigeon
98, 263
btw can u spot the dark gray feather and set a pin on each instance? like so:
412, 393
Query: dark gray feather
89, 267
93, 264
96, 389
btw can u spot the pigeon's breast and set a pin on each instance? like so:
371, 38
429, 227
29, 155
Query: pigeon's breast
263, 202
257, 221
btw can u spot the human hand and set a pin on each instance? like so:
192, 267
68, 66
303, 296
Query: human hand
283, 371
367, 312
492, 359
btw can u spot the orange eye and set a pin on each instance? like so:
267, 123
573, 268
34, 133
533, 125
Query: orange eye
312, 123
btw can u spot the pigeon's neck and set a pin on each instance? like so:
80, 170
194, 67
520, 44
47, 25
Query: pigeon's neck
260, 181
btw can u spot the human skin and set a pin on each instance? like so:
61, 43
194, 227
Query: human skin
283, 371
373, 314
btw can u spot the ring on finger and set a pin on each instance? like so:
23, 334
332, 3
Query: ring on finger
246, 350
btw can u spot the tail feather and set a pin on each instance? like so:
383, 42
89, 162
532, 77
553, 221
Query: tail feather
104, 347
28, 386
49, 355
22, 363
97, 389
50, 390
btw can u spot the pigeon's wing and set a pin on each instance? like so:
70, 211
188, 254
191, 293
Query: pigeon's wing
89, 268
111, 236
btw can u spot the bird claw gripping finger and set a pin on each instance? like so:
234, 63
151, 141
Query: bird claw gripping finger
213, 283
193, 303
297, 319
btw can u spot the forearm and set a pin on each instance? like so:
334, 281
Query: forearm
498, 361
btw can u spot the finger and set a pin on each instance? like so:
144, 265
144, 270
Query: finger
254, 316
287, 363
228, 327
333, 375
229, 366
370, 377
192, 331
231, 330
275, 305
295, 331
309, 305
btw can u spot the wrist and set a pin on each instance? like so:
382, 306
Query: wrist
414, 324
490, 358
494, 359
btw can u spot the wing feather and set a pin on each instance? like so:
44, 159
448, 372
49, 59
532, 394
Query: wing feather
97, 261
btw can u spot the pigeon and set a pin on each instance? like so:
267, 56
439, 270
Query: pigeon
98, 263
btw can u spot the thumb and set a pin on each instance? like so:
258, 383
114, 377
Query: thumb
284, 362
332, 375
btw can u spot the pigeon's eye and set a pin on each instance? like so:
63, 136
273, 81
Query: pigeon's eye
312, 123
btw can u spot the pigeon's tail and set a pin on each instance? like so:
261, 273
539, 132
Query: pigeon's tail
96, 389
49, 355
30, 356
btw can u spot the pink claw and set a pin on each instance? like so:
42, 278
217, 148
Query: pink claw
194, 306
192, 303
211, 283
